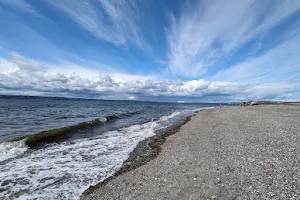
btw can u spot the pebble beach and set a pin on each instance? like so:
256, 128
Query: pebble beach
229, 153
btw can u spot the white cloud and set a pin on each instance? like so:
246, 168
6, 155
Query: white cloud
20, 75
131, 97
276, 91
115, 21
209, 30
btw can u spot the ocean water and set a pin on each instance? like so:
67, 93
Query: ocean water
65, 166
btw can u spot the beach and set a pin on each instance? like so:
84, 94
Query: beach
228, 153
56, 148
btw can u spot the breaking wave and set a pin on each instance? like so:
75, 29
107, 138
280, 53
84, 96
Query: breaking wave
10, 150
172, 115
49, 135
65, 170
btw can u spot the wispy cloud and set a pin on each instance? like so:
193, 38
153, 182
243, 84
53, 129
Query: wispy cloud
209, 30
222, 50
282, 63
278, 90
21, 5
160, 61
21, 74
115, 21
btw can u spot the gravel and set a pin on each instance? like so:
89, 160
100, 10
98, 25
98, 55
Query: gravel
229, 153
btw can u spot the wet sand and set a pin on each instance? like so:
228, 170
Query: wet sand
229, 153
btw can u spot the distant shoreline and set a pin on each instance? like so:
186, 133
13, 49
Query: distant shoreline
99, 99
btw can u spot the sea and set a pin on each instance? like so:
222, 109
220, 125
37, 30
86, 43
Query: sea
56, 148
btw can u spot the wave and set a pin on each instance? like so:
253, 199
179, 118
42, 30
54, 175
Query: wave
12, 149
49, 135
66, 170
70, 116
172, 115
166, 118
128, 113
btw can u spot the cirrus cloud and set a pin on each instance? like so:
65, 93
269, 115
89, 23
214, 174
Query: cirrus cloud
209, 31
114, 21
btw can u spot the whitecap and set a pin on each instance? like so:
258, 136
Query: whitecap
66, 170
12, 149
172, 115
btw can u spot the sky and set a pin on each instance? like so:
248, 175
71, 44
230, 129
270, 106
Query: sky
154, 50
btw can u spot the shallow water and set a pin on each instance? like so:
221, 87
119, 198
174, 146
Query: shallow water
66, 168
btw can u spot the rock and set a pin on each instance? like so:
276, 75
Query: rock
244, 103
253, 103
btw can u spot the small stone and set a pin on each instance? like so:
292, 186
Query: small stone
213, 197
272, 194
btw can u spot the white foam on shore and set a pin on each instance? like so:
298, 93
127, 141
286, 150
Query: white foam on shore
172, 115
65, 171
12, 149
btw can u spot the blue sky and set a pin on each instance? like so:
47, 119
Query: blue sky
151, 50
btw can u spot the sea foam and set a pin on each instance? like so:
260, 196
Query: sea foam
12, 149
66, 170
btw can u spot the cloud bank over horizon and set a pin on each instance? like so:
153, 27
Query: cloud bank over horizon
30, 77
158, 50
